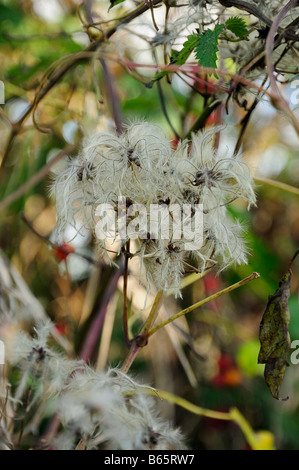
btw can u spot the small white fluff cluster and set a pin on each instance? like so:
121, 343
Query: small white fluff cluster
107, 410
185, 18
270, 7
286, 52
173, 29
17, 303
112, 411
142, 167
41, 368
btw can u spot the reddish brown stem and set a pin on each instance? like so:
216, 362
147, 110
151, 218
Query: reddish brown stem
96, 326
125, 294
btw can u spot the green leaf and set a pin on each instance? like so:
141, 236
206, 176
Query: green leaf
188, 47
237, 26
179, 57
207, 47
113, 3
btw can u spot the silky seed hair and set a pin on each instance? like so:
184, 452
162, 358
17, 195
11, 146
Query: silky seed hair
142, 168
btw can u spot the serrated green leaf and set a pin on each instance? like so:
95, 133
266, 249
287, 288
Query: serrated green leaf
207, 47
188, 47
179, 57
113, 3
237, 26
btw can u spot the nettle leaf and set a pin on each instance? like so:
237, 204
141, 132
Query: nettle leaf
274, 336
237, 26
188, 47
207, 47
179, 57
113, 3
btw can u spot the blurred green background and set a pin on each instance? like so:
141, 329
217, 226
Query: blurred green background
214, 363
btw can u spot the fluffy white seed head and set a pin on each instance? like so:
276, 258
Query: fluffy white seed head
112, 410
139, 169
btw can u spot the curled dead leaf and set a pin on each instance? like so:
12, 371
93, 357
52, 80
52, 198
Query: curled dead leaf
274, 335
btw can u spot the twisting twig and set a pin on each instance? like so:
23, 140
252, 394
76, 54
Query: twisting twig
253, 10
163, 105
195, 69
112, 97
63, 249
150, 4
111, 93
277, 99
245, 120
35, 179
293, 259
67, 65
270, 44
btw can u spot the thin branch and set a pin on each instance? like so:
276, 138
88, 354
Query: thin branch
61, 248
35, 179
150, 4
163, 105
277, 99
270, 44
151, 318
72, 60
141, 339
130, 357
96, 325
200, 122
203, 302
233, 414
278, 185
125, 294
293, 259
112, 97
193, 68
253, 10
245, 120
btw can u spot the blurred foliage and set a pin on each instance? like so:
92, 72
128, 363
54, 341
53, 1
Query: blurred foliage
222, 344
